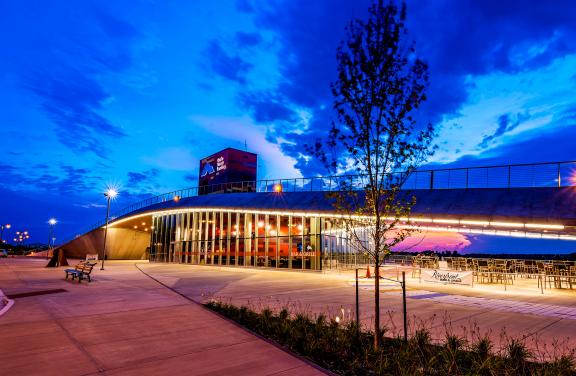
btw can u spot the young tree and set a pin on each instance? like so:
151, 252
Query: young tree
380, 84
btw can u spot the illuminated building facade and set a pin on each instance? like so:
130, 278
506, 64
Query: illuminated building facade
292, 223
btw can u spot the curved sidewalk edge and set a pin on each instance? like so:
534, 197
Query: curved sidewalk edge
5, 303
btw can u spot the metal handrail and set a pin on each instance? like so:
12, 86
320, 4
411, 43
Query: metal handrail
549, 174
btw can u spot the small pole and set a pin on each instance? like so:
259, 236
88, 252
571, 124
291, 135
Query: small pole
105, 233
357, 305
404, 305
49, 240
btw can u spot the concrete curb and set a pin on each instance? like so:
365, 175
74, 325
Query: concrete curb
5, 303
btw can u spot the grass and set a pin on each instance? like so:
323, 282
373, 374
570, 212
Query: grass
344, 349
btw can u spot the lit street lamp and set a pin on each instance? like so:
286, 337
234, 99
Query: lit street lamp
21, 237
2, 227
110, 194
51, 223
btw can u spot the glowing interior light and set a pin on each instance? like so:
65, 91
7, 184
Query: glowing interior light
428, 220
475, 223
533, 235
507, 224
451, 221
299, 227
546, 226
260, 224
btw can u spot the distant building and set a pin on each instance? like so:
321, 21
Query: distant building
229, 170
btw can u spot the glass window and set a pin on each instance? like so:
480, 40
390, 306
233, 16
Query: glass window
284, 242
272, 238
260, 246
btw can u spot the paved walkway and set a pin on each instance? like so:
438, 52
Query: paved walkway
123, 323
546, 321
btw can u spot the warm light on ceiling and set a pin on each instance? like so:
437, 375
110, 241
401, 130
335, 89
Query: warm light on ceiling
450, 221
475, 223
546, 226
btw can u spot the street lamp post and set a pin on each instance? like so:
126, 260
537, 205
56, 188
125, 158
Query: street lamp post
2, 227
51, 223
110, 194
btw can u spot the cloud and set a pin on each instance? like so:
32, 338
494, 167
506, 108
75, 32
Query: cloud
60, 55
58, 179
546, 144
505, 124
226, 65
191, 178
244, 6
91, 205
460, 40
137, 178
234, 131
266, 107
247, 39
173, 159
71, 99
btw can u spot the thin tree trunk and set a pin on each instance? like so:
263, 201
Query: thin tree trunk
376, 302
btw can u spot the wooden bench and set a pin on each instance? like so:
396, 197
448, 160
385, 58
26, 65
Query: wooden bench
82, 270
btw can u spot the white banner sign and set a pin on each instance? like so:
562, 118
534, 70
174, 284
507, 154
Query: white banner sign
447, 277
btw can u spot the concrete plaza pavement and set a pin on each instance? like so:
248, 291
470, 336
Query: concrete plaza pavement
546, 321
123, 323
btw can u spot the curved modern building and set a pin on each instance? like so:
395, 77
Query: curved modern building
292, 224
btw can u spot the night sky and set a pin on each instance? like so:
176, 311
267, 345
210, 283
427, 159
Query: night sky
135, 93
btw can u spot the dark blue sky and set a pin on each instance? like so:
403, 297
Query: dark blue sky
136, 92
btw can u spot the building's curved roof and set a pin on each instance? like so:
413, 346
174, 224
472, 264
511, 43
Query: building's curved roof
543, 204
